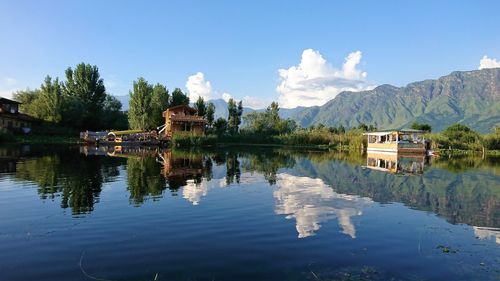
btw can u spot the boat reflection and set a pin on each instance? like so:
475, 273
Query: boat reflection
396, 162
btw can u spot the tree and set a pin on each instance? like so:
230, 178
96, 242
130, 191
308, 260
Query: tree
269, 122
140, 105
421, 126
113, 117
234, 117
341, 129
220, 126
50, 101
27, 99
160, 101
85, 85
201, 107
210, 114
179, 98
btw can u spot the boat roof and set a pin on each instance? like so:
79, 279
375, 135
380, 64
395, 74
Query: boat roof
383, 133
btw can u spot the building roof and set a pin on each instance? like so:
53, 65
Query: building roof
182, 106
4, 100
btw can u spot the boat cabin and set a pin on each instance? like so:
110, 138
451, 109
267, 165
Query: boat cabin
402, 141
182, 119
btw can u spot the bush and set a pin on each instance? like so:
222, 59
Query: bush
6, 135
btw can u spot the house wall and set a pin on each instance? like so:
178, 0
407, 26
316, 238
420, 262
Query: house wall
13, 123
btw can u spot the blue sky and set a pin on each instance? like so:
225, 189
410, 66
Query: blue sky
239, 46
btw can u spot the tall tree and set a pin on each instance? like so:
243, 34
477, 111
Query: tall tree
179, 98
85, 84
201, 107
210, 114
160, 101
50, 101
140, 105
234, 117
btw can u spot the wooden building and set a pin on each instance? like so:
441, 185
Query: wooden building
402, 141
11, 119
182, 119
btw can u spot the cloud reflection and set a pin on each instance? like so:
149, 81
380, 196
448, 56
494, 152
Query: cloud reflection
312, 202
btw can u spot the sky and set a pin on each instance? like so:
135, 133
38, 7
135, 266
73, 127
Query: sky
299, 53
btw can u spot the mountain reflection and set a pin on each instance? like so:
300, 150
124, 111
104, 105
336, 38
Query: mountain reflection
311, 187
312, 202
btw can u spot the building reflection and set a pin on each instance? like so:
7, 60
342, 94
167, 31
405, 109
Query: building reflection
396, 162
311, 202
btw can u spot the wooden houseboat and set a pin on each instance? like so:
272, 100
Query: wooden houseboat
402, 141
182, 119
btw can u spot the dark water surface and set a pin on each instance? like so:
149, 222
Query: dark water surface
72, 213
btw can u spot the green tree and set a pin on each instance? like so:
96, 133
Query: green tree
113, 117
27, 99
160, 101
269, 122
234, 117
50, 101
179, 98
201, 107
85, 84
140, 105
421, 126
210, 114
220, 126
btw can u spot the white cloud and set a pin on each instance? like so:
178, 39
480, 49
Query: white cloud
314, 81
8, 85
197, 86
254, 103
487, 62
226, 96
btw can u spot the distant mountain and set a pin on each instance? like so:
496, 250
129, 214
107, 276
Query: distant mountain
468, 97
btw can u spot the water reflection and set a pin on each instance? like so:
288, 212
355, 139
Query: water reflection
311, 187
312, 202
396, 163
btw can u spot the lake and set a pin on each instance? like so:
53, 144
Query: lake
245, 213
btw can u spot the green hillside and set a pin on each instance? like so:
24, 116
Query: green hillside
468, 97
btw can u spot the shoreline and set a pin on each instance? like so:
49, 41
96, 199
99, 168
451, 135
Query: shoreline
70, 140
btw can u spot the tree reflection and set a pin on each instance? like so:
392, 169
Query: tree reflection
144, 179
77, 178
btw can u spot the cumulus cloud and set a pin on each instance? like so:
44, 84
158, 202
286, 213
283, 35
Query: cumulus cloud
487, 62
314, 81
226, 96
197, 86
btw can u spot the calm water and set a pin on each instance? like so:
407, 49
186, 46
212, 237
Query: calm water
72, 213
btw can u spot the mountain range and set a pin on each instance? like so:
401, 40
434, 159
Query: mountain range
468, 97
